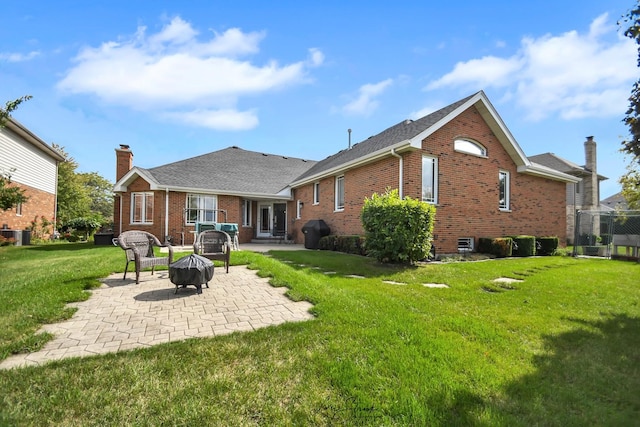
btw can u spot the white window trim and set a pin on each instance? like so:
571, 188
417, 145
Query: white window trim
316, 193
336, 207
143, 213
298, 209
199, 195
246, 212
435, 180
19, 209
507, 191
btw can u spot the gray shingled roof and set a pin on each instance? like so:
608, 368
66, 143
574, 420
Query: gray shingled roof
552, 161
402, 131
232, 170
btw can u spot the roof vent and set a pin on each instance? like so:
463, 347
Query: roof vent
124, 147
406, 122
264, 154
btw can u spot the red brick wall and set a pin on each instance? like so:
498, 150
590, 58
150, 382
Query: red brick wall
40, 204
177, 229
467, 191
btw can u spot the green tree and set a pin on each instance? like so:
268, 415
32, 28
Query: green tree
630, 186
11, 106
631, 146
10, 196
73, 198
101, 194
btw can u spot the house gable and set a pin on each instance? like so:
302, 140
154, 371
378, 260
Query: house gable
408, 135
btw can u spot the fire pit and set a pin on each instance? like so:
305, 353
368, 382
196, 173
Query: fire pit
191, 270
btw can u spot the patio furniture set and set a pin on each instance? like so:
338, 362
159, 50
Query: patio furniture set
196, 269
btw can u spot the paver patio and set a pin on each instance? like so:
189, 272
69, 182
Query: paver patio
121, 315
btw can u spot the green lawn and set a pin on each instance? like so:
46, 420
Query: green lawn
559, 348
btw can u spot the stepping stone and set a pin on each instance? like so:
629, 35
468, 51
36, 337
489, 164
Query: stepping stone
507, 280
391, 282
329, 272
354, 276
435, 285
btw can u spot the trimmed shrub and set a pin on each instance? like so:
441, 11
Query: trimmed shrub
397, 230
350, 244
327, 243
524, 246
484, 245
501, 247
546, 245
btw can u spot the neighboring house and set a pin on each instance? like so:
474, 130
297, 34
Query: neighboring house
583, 195
614, 203
33, 166
461, 158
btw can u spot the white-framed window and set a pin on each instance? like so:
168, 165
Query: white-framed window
141, 208
298, 209
504, 183
429, 179
19, 209
246, 213
470, 147
201, 208
340, 193
316, 193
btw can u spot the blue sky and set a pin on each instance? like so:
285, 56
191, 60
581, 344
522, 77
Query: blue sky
176, 79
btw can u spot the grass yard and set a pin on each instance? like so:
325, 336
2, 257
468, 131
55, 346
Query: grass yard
559, 348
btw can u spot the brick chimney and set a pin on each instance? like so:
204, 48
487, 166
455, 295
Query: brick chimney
124, 161
591, 188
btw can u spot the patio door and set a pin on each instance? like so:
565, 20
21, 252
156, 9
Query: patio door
272, 219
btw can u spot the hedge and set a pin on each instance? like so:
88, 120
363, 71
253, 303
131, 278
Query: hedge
347, 244
546, 245
501, 247
524, 246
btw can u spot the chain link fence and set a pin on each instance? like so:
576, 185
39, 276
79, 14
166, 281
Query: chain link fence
610, 234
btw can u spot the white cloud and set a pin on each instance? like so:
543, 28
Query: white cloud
425, 111
18, 57
570, 75
172, 69
217, 119
366, 103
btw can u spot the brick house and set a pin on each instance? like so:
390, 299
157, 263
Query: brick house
462, 158
33, 166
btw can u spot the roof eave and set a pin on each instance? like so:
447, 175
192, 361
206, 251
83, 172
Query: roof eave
399, 147
31, 137
544, 172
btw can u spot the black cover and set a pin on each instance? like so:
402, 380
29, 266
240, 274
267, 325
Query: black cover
191, 270
313, 231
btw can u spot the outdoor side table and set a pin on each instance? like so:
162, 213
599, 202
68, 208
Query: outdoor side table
193, 270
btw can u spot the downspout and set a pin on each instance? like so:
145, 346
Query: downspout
400, 170
55, 205
166, 214
120, 225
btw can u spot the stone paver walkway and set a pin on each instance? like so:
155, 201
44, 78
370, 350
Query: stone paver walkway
121, 315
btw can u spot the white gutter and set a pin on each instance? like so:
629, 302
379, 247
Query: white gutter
166, 214
400, 168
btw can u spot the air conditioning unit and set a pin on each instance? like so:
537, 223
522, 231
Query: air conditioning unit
465, 244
